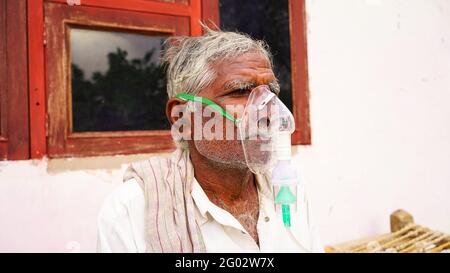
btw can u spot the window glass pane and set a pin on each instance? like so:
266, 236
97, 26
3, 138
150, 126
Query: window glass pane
118, 83
264, 20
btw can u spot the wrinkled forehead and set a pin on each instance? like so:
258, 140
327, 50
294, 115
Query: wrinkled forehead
249, 60
247, 69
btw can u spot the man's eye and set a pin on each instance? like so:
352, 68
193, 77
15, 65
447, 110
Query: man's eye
240, 92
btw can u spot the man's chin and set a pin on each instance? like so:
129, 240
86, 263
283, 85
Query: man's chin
227, 153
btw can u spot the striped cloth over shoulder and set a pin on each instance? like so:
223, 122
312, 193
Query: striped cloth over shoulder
170, 221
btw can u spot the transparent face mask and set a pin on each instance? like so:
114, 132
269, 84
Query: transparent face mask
263, 120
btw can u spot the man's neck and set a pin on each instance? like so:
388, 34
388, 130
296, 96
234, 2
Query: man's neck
231, 188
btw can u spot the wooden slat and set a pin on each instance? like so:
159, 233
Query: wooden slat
3, 77
195, 17
18, 134
346, 246
147, 133
93, 146
3, 150
36, 78
14, 134
299, 66
210, 13
137, 5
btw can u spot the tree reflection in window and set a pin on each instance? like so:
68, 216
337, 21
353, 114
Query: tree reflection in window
129, 94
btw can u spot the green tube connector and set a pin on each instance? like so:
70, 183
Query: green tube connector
285, 198
286, 212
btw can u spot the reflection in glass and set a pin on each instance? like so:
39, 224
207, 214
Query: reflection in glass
118, 83
264, 20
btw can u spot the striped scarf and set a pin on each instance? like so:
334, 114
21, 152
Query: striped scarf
169, 208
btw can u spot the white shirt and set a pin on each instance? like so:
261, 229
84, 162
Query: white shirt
121, 226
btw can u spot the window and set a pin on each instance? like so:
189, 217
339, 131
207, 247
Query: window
105, 86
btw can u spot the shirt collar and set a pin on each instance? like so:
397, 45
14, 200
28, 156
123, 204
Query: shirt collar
207, 210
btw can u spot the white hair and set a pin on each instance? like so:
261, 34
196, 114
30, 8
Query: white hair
189, 59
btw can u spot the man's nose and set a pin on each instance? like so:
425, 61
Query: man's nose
264, 123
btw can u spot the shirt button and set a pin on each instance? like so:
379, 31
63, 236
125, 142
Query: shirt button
267, 219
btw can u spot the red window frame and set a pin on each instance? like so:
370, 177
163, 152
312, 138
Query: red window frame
50, 133
3, 81
14, 134
40, 142
62, 142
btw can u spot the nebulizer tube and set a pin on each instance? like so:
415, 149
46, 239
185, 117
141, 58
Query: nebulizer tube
284, 176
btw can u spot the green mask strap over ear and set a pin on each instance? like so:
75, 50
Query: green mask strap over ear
209, 103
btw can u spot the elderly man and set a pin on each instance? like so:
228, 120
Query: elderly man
204, 197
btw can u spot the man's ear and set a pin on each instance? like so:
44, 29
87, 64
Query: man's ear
171, 105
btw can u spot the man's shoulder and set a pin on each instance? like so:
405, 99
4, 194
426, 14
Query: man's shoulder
150, 167
157, 159
119, 201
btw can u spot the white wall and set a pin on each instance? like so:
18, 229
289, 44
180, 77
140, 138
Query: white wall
50, 212
380, 116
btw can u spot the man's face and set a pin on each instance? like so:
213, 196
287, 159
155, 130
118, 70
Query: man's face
236, 77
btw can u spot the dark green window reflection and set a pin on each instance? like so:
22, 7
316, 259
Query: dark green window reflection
118, 83
264, 20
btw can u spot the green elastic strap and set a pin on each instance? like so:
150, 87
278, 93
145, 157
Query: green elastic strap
208, 102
